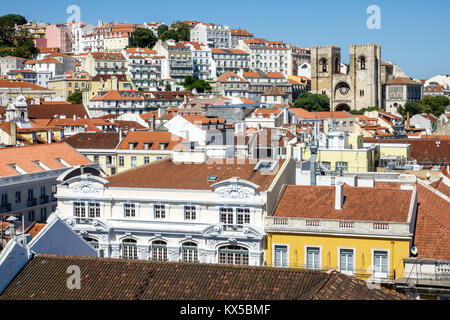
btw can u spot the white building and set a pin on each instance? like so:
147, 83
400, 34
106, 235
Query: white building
173, 211
214, 35
268, 56
204, 67
10, 63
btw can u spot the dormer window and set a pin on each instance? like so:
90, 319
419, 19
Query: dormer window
148, 145
163, 146
132, 145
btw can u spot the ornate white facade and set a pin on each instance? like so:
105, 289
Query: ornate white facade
222, 225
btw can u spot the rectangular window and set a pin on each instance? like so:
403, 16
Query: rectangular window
43, 214
42, 191
121, 161
133, 161
79, 210
130, 210
31, 216
160, 211
30, 194
18, 197
380, 263
4, 199
94, 210
243, 216
281, 256
226, 216
346, 261
146, 160
189, 213
313, 258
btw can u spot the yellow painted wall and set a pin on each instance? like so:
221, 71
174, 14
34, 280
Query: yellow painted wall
358, 160
397, 151
330, 246
140, 160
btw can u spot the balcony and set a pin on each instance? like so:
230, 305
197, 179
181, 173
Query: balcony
6, 207
233, 227
32, 202
44, 199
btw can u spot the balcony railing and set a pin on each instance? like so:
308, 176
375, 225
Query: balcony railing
233, 227
44, 199
32, 202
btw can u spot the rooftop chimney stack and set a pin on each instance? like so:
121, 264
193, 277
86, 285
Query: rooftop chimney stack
339, 196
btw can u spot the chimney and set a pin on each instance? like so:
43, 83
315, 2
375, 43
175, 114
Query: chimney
12, 227
120, 134
49, 136
13, 133
152, 122
339, 196
74, 117
407, 120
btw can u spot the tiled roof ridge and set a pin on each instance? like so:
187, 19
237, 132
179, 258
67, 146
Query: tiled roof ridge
134, 169
229, 266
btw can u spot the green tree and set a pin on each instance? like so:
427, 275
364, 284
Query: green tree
190, 83
312, 102
142, 38
76, 98
413, 107
169, 34
161, 29
12, 19
168, 87
364, 110
183, 31
435, 105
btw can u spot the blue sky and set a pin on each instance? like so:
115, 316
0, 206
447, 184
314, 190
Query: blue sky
413, 34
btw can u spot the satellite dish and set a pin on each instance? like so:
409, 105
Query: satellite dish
414, 251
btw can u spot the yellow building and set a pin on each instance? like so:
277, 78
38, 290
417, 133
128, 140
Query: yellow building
105, 82
341, 150
364, 232
71, 82
140, 148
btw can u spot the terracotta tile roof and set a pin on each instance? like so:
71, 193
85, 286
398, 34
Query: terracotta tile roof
425, 151
124, 124
332, 114
430, 117
169, 175
432, 233
228, 51
6, 127
241, 32
225, 77
302, 113
388, 114
4, 83
108, 56
360, 203
140, 50
46, 153
93, 140
114, 95
35, 229
200, 119
153, 137
49, 111
88, 124
440, 186
267, 112
44, 278
276, 75
403, 80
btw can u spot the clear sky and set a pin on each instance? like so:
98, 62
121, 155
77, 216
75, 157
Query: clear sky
414, 33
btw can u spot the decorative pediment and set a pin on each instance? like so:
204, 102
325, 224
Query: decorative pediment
235, 188
86, 185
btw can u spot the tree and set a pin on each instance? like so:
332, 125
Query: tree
168, 87
364, 110
435, 105
413, 107
142, 38
190, 83
76, 98
169, 34
312, 102
183, 31
12, 19
161, 29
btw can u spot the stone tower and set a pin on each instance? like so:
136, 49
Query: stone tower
359, 88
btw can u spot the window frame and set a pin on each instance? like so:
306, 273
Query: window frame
274, 246
306, 256
348, 272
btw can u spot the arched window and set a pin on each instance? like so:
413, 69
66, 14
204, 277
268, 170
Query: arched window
233, 255
323, 64
159, 251
337, 65
363, 63
189, 252
129, 249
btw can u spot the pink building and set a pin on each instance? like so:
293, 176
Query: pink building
40, 43
59, 36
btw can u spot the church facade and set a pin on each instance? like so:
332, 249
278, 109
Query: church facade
360, 86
